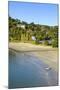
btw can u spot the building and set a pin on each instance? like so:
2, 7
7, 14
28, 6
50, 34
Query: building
33, 38
21, 25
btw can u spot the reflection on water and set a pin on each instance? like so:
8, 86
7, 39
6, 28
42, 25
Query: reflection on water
28, 71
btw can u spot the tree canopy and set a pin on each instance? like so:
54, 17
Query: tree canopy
42, 33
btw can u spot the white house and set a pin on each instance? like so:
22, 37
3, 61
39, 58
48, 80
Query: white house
21, 25
33, 38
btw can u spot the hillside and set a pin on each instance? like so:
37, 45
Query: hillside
21, 31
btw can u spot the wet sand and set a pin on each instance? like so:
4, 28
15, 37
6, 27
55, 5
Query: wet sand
47, 54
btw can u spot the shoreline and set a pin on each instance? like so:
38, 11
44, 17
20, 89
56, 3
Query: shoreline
29, 47
47, 54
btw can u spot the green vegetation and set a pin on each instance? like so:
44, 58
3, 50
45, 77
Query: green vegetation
21, 31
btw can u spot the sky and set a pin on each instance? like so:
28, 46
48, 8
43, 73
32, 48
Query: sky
39, 13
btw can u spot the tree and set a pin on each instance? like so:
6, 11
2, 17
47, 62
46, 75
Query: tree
40, 32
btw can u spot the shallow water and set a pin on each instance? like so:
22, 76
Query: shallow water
26, 70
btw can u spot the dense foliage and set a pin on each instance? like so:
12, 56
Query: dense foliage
21, 31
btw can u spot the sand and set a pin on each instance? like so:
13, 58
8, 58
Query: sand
47, 54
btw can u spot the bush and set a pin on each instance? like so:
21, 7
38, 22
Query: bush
55, 43
37, 42
33, 42
46, 42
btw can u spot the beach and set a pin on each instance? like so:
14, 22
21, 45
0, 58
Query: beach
47, 54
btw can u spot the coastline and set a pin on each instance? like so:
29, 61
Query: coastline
47, 54
29, 47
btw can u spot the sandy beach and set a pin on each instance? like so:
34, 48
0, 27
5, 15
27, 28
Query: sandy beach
47, 54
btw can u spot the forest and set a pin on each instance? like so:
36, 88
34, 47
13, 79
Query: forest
21, 31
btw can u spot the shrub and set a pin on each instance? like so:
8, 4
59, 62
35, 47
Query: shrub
46, 42
55, 43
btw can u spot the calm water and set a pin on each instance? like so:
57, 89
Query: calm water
25, 70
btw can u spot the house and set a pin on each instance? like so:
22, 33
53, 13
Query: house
33, 38
21, 25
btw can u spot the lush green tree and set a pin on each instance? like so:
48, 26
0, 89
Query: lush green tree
40, 32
